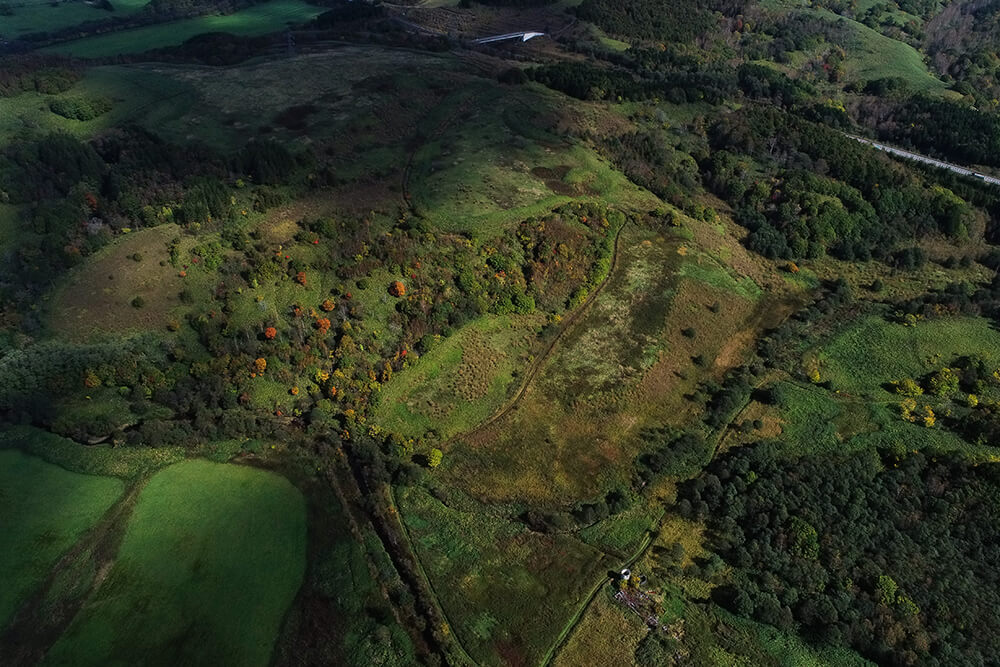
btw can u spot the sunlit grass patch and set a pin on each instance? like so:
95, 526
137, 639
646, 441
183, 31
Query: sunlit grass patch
257, 20
212, 556
460, 381
44, 509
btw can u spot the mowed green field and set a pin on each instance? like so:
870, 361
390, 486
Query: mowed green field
211, 560
272, 16
43, 510
36, 16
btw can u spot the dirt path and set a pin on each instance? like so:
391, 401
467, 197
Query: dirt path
535, 366
582, 609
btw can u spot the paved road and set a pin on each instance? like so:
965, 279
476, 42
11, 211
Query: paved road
927, 160
523, 36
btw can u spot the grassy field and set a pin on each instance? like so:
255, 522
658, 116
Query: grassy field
193, 585
606, 635
508, 591
626, 364
34, 16
460, 381
873, 351
137, 93
96, 298
43, 509
871, 55
272, 16
486, 166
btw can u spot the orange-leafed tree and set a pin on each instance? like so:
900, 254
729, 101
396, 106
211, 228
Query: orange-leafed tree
397, 288
260, 365
328, 305
300, 277
323, 325
270, 333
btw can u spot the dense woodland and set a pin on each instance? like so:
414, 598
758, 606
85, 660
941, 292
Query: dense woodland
840, 548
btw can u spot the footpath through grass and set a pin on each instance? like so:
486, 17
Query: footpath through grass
43, 511
212, 558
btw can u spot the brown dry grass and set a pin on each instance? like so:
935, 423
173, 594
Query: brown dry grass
97, 297
606, 635
575, 430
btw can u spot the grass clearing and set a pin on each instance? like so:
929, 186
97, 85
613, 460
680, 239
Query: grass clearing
872, 55
621, 534
507, 591
44, 509
261, 19
127, 463
485, 167
212, 557
35, 17
97, 297
873, 351
138, 94
606, 635
460, 381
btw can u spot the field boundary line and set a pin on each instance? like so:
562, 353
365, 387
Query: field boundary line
394, 510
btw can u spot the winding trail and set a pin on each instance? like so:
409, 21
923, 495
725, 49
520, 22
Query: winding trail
540, 359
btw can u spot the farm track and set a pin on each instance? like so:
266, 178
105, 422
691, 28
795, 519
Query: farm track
567, 631
39, 623
540, 359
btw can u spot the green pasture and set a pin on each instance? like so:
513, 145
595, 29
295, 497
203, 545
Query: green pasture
261, 19
212, 558
479, 170
873, 351
127, 463
817, 421
37, 16
870, 54
507, 591
460, 381
138, 95
44, 509
621, 534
